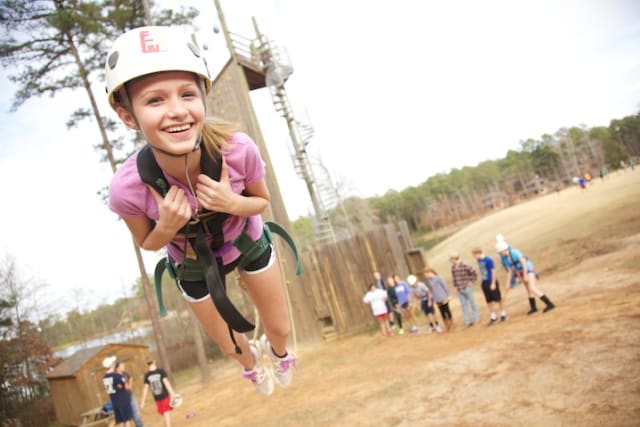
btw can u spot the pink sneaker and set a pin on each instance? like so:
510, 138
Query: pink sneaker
282, 366
259, 375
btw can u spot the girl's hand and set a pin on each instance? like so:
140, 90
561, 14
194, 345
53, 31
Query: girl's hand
174, 209
216, 196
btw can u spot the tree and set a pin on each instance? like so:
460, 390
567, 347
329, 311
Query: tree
60, 45
24, 356
545, 160
612, 151
627, 134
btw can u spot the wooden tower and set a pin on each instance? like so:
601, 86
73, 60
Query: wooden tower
229, 99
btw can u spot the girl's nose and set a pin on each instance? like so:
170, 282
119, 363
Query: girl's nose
177, 108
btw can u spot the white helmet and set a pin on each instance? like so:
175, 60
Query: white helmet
176, 401
501, 246
108, 362
412, 279
147, 50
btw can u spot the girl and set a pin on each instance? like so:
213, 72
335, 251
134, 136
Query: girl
377, 299
517, 264
440, 293
422, 293
392, 300
157, 82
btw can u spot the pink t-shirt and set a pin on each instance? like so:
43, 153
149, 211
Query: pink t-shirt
129, 196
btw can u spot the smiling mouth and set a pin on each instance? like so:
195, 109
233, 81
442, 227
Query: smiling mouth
176, 129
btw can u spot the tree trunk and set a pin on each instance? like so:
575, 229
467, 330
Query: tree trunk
153, 313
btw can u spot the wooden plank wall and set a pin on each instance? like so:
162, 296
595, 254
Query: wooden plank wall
336, 276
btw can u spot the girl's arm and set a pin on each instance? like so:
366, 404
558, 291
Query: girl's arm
509, 277
174, 212
523, 275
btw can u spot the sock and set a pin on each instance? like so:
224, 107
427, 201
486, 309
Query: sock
503, 313
493, 315
277, 355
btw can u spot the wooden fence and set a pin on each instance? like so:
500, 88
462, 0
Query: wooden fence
336, 276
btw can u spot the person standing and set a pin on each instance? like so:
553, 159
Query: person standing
421, 292
120, 368
118, 392
440, 293
377, 299
403, 295
156, 379
490, 286
392, 299
517, 264
464, 276
379, 282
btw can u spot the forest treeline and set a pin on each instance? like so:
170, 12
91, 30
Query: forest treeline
539, 165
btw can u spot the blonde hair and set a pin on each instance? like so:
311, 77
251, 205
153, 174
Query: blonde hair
476, 250
430, 270
216, 133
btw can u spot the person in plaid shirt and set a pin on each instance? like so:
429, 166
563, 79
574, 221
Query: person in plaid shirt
464, 277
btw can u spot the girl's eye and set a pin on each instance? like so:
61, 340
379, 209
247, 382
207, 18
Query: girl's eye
154, 100
189, 94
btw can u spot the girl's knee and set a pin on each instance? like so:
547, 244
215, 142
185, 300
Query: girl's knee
281, 331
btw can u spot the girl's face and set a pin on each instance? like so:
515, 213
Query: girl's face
168, 110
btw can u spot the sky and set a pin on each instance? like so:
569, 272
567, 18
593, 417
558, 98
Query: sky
395, 91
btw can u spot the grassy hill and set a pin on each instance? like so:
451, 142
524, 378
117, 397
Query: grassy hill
557, 229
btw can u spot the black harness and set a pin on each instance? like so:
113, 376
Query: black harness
207, 267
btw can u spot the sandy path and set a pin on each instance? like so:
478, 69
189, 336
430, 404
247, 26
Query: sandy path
576, 365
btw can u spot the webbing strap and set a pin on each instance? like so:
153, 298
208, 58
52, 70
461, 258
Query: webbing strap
276, 228
161, 266
211, 266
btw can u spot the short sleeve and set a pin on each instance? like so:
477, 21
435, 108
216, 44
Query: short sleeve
244, 159
127, 192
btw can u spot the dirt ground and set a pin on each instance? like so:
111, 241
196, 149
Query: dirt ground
576, 365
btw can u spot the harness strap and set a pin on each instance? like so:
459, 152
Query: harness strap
249, 249
280, 231
211, 266
161, 266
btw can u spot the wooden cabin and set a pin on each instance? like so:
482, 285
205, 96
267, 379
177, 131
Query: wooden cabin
76, 383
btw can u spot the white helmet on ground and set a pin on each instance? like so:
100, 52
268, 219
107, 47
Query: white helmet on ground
147, 50
176, 401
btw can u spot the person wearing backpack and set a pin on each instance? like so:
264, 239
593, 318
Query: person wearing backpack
210, 223
517, 264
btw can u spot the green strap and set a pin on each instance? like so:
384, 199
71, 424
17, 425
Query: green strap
276, 228
249, 249
161, 266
